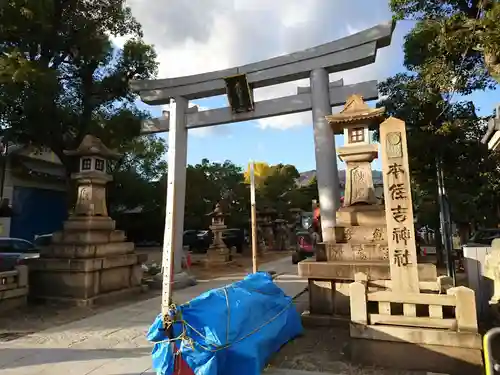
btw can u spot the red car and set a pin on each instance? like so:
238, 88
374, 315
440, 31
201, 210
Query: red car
305, 243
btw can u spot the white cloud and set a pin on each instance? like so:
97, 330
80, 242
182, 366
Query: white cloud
203, 35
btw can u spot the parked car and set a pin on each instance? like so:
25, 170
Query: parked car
483, 237
305, 246
234, 237
197, 241
189, 238
42, 240
14, 251
204, 241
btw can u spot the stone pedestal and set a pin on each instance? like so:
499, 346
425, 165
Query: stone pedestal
88, 262
218, 256
361, 245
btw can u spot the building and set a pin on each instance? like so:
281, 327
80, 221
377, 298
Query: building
33, 181
492, 136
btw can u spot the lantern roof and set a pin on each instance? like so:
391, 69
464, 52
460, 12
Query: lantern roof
217, 212
93, 146
356, 111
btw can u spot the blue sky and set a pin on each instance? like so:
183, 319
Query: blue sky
286, 140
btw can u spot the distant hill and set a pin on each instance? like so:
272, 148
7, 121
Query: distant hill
305, 177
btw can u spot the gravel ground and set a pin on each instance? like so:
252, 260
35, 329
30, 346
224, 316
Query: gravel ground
324, 350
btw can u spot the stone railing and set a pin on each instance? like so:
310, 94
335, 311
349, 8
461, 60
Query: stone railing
455, 310
431, 332
13, 288
441, 285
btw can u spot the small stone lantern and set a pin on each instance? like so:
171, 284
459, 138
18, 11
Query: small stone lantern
217, 226
218, 253
92, 176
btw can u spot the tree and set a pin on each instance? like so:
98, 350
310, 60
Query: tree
303, 196
451, 132
209, 183
137, 175
61, 78
136, 197
455, 44
275, 190
446, 53
261, 171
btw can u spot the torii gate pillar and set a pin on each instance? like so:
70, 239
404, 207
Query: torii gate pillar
175, 202
325, 150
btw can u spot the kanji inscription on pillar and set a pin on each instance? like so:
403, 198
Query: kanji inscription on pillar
398, 206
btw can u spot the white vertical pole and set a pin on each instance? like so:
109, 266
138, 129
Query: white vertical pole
176, 185
253, 217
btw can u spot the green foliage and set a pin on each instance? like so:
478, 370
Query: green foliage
61, 78
303, 196
209, 183
451, 132
137, 176
455, 43
451, 50
277, 187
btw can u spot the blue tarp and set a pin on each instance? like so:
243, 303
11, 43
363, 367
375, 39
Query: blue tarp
230, 330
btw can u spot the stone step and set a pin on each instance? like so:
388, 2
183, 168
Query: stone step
361, 215
87, 251
88, 237
352, 252
79, 223
345, 270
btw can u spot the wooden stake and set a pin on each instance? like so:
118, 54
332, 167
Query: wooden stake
253, 217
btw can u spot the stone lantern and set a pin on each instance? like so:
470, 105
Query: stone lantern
92, 176
268, 216
88, 261
218, 253
360, 238
355, 122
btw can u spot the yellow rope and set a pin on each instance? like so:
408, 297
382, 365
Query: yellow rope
188, 341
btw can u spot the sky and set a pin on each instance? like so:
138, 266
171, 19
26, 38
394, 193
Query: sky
198, 36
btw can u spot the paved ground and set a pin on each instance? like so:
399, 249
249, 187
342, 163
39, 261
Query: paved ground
111, 343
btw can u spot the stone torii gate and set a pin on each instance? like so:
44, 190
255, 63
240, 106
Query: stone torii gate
315, 63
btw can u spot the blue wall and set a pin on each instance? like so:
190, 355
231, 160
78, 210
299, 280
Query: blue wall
37, 211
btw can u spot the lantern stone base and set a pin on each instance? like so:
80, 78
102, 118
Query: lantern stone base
84, 282
329, 300
181, 280
87, 262
218, 256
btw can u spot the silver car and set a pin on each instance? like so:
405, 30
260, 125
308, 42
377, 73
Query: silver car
14, 251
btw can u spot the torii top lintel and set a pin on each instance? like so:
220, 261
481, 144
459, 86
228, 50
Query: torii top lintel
343, 54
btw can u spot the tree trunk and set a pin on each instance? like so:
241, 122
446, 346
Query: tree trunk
70, 167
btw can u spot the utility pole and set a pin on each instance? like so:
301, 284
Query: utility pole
3, 154
445, 220
253, 217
